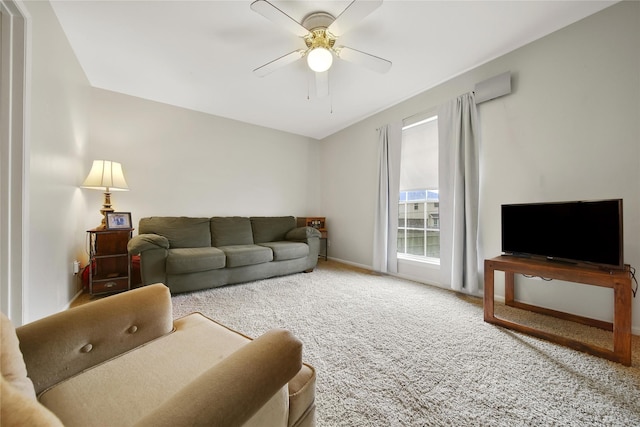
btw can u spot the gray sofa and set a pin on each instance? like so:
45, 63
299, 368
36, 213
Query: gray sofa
189, 253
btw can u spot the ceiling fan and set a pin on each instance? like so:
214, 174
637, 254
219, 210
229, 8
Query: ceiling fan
320, 30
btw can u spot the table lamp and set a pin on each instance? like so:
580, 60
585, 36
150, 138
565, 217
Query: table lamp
107, 176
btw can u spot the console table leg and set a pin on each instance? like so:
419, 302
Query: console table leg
509, 284
488, 292
622, 322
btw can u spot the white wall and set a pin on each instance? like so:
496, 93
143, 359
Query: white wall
569, 131
177, 162
181, 162
58, 129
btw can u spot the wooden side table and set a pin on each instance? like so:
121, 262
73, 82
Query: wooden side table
618, 280
318, 222
109, 260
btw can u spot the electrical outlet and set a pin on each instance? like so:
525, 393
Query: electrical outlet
76, 267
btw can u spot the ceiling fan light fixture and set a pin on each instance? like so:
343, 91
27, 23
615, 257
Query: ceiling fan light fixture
319, 59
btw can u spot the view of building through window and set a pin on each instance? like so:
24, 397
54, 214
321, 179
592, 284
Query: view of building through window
419, 204
419, 224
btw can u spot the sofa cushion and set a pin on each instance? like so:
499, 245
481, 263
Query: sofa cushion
128, 387
12, 366
192, 260
287, 250
271, 229
239, 255
232, 230
182, 232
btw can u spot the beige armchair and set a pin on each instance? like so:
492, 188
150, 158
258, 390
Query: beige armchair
123, 361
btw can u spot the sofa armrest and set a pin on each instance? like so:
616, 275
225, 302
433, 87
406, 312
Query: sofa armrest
145, 242
61, 345
233, 390
301, 234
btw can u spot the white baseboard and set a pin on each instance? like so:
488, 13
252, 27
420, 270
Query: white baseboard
68, 306
364, 267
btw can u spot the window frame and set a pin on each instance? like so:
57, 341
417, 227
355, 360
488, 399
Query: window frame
403, 211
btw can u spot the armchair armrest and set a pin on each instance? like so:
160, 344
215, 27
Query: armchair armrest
63, 344
144, 242
302, 233
233, 390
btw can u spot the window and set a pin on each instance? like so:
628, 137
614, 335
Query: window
418, 209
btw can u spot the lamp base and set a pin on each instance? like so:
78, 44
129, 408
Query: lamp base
106, 207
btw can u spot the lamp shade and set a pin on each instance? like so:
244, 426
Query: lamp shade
107, 176
319, 59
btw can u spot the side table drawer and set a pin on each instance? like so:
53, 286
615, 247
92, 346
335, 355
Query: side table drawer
113, 285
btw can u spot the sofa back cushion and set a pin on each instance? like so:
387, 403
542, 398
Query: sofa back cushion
272, 228
182, 232
231, 230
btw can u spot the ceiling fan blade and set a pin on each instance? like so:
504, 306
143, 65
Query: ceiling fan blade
322, 84
278, 63
353, 14
275, 15
369, 61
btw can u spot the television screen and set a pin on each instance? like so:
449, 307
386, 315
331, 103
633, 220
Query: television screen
580, 231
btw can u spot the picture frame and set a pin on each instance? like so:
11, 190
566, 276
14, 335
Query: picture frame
118, 220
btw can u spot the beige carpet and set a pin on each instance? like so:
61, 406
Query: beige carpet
391, 352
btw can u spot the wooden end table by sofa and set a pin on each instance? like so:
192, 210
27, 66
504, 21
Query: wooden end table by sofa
109, 260
618, 280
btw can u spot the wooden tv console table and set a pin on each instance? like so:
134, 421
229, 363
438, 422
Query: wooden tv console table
619, 281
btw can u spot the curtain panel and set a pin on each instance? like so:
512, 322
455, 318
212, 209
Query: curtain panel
459, 193
385, 233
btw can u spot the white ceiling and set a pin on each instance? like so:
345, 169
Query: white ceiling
200, 54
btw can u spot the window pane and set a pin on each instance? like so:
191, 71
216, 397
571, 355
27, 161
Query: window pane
415, 242
401, 215
433, 244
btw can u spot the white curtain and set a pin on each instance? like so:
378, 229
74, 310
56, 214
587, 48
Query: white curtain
385, 233
459, 191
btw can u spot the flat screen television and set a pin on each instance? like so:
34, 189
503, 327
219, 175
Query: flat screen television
581, 232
